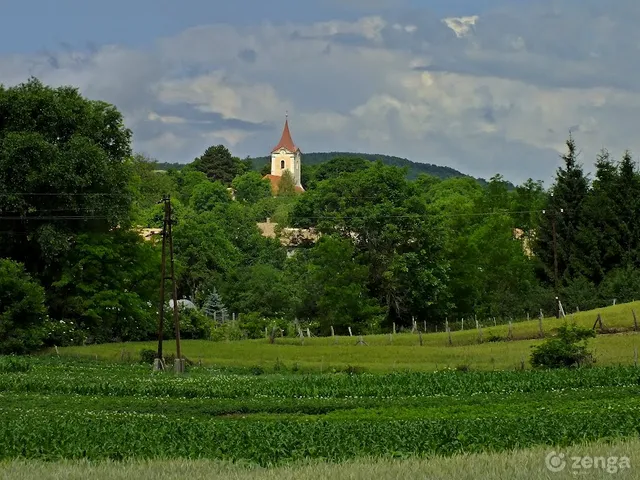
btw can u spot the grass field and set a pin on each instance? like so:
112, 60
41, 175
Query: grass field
53, 409
511, 465
250, 409
385, 353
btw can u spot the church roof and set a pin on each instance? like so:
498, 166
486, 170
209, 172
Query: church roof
286, 141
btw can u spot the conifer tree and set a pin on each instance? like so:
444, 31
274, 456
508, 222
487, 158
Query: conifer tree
213, 306
561, 243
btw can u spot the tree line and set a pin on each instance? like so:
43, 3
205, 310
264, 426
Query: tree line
74, 267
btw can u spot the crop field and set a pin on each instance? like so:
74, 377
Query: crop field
54, 409
490, 349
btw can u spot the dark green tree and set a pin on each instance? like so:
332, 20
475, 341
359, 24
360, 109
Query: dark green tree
22, 310
64, 170
217, 163
564, 213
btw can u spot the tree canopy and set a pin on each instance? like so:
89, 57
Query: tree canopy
365, 245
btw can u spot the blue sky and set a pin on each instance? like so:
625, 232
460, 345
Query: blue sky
484, 86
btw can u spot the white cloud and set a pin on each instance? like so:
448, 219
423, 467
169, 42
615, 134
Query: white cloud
487, 93
461, 26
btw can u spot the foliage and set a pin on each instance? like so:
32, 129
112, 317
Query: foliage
22, 310
394, 235
213, 306
147, 356
331, 287
286, 185
568, 349
217, 163
107, 285
250, 188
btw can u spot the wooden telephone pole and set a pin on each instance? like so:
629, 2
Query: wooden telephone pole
556, 280
167, 237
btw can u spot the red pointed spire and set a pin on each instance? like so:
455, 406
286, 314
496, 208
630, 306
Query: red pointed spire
286, 141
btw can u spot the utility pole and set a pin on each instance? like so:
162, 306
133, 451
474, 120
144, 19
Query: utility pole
556, 281
167, 237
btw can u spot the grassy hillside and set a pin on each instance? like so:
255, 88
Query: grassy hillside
385, 353
415, 168
316, 158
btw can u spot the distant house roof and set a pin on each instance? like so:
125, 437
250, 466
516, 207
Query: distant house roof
286, 141
275, 183
289, 237
149, 233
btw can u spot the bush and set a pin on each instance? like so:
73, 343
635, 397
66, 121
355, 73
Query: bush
568, 349
147, 356
22, 310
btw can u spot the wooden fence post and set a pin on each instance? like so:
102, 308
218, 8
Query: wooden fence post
635, 320
541, 330
479, 328
350, 334
446, 326
394, 328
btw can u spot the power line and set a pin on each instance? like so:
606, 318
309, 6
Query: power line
61, 194
55, 217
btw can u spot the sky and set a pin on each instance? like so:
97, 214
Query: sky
483, 86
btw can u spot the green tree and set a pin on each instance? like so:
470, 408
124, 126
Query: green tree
148, 182
217, 163
64, 170
186, 180
214, 307
286, 185
109, 286
22, 310
331, 286
339, 165
396, 235
250, 188
208, 195
627, 197
565, 214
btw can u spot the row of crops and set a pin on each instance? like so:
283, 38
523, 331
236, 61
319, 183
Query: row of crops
52, 409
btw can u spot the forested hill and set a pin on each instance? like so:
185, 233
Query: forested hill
316, 158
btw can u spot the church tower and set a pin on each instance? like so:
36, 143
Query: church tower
286, 156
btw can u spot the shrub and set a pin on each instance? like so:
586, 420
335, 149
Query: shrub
568, 349
147, 355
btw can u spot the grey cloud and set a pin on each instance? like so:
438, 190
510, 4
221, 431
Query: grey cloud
248, 55
335, 69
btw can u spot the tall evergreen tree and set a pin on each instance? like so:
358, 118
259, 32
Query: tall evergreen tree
560, 243
601, 231
627, 198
